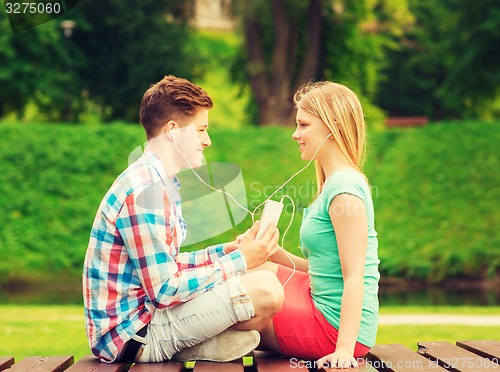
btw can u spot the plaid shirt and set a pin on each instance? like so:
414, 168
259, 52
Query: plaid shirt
133, 264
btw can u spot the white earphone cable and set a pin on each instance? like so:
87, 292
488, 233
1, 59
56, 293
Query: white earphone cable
283, 238
206, 184
295, 174
252, 214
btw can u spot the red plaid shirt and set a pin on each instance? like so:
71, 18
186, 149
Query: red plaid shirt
133, 264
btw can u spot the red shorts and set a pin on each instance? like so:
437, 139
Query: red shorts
302, 331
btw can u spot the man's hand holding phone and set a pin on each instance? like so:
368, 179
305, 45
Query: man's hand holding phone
256, 252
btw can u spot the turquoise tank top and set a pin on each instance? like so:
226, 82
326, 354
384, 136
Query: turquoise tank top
319, 246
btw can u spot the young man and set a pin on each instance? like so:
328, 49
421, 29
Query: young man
144, 300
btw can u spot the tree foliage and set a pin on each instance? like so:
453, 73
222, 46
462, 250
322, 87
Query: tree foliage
474, 77
115, 52
128, 47
446, 65
358, 36
36, 66
290, 42
281, 51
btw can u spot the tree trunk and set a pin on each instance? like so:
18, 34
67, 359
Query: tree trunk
311, 63
273, 86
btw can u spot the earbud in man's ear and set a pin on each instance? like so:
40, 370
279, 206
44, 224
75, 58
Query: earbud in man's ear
171, 135
170, 128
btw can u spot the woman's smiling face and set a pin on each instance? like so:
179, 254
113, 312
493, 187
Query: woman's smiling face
310, 133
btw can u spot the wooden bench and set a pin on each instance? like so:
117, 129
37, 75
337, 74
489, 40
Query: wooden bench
466, 356
470, 356
406, 121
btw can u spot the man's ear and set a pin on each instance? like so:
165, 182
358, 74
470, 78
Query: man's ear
168, 128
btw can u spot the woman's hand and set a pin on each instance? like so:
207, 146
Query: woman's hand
275, 257
341, 358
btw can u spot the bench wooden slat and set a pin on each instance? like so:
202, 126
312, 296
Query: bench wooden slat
6, 362
236, 366
486, 348
396, 357
269, 361
465, 356
43, 364
90, 363
363, 365
455, 358
157, 367
278, 365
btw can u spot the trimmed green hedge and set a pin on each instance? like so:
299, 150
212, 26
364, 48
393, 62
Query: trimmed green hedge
53, 178
437, 209
435, 191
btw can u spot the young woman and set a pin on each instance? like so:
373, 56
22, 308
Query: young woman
331, 300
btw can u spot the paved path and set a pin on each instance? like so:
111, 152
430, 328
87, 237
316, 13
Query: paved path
440, 319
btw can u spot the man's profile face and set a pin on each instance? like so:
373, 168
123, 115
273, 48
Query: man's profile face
192, 138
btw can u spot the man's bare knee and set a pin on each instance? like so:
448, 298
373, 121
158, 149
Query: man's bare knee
265, 291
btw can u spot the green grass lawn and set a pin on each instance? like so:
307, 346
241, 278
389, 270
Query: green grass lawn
60, 330
409, 335
458, 310
43, 330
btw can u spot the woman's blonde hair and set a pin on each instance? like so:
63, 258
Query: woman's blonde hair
339, 108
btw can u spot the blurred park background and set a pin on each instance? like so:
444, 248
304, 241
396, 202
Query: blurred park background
70, 91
